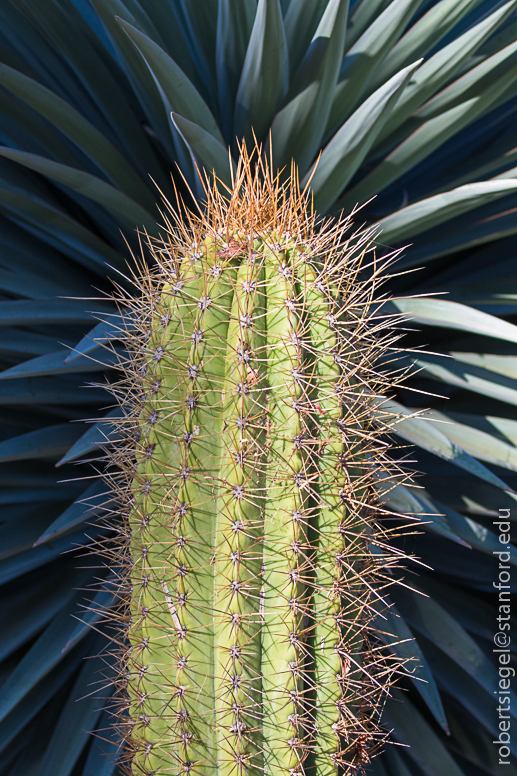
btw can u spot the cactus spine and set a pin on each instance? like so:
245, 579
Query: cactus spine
254, 552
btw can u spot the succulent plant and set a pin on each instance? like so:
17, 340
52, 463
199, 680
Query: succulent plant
411, 102
256, 561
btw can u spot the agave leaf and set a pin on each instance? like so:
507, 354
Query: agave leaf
48, 390
466, 567
471, 378
410, 729
22, 126
47, 311
364, 56
135, 68
96, 500
345, 152
459, 685
414, 502
201, 22
27, 612
49, 442
300, 22
105, 750
265, 74
497, 72
429, 618
38, 697
503, 428
363, 14
430, 212
44, 654
53, 223
111, 112
210, 153
20, 564
129, 212
298, 127
428, 436
167, 18
20, 281
390, 625
54, 364
444, 521
397, 766
473, 614
18, 341
234, 24
419, 145
94, 611
424, 35
460, 236
452, 315
101, 433
87, 138
181, 93
19, 536
115, 327
438, 70
79, 716
35, 495
476, 745
473, 534
479, 444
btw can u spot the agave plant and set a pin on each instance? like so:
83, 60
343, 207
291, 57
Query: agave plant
404, 107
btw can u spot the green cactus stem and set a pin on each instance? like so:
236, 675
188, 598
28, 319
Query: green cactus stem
255, 553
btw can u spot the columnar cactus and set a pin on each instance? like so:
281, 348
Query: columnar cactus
256, 559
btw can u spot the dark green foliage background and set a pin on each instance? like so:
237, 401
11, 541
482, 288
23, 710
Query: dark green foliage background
86, 92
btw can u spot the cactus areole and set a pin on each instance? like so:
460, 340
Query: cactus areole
254, 552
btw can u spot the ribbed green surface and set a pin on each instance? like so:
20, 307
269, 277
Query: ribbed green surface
248, 608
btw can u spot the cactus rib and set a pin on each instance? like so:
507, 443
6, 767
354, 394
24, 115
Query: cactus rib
252, 575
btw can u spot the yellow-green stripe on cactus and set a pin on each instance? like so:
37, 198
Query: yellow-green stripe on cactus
255, 554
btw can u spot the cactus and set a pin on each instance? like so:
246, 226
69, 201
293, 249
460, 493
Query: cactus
255, 555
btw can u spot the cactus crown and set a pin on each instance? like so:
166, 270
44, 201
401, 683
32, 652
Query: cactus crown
254, 553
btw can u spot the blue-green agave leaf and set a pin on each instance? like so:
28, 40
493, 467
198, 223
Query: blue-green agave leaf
425, 615
432, 211
129, 212
48, 390
365, 55
54, 364
44, 654
38, 697
102, 433
390, 626
69, 121
96, 500
427, 435
300, 22
479, 444
208, 152
343, 155
23, 615
234, 24
265, 74
181, 93
471, 378
440, 68
299, 126
452, 315
411, 729
115, 326
425, 34
49, 442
